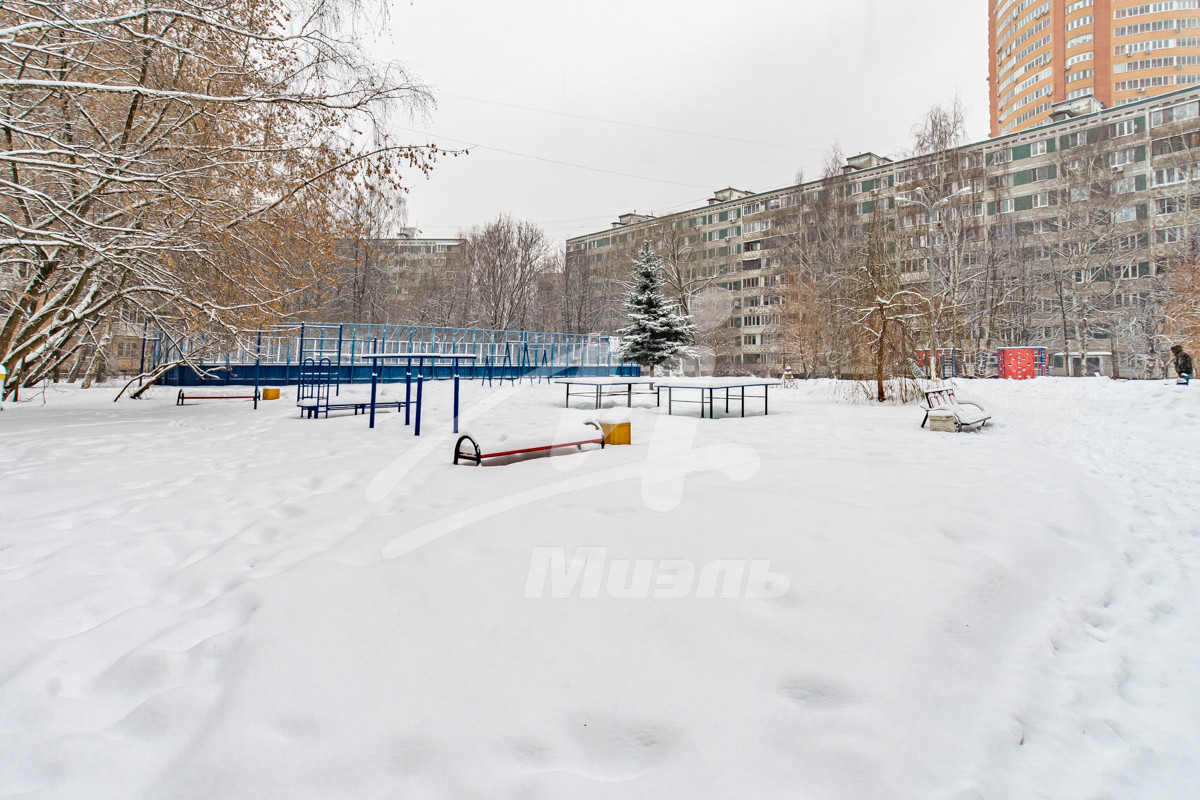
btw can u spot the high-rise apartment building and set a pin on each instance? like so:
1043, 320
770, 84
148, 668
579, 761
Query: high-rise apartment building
1046, 52
1064, 237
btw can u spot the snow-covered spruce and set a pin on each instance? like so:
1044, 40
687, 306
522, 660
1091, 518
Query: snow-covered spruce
657, 335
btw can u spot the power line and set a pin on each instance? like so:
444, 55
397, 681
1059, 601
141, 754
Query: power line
632, 124
477, 146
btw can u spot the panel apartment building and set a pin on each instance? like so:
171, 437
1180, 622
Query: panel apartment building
1043, 52
1019, 193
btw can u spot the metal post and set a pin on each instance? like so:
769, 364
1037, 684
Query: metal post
338, 385
455, 362
374, 376
300, 361
407, 389
257, 367
420, 385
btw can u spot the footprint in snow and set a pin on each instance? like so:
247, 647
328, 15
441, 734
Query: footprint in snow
816, 693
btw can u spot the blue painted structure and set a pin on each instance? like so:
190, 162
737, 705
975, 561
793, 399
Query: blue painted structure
273, 357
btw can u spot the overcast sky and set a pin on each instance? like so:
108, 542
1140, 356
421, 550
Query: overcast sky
682, 98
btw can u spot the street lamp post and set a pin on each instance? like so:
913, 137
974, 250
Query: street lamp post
931, 207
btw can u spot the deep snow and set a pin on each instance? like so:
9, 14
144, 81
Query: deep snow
216, 602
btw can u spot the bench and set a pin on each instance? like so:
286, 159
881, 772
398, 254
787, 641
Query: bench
182, 399
313, 407
967, 413
468, 450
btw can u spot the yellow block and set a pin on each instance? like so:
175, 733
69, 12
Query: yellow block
270, 394
616, 432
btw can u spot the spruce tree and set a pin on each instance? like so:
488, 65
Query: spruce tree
656, 334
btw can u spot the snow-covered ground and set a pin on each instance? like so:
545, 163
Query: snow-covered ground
216, 602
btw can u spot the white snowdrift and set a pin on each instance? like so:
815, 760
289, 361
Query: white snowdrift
213, 602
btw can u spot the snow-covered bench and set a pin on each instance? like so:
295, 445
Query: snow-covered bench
967, 413
314, 407
469, 449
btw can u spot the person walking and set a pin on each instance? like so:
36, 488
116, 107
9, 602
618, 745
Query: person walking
1183, 364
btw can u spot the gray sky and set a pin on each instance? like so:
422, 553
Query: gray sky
781, 81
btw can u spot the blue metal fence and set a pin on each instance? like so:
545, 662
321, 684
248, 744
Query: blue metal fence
273, 357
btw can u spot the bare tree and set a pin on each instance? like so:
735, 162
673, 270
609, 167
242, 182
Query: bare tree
505, 259
181, 159
366, 289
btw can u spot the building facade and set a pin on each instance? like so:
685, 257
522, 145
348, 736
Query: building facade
1062, 236
1043, 52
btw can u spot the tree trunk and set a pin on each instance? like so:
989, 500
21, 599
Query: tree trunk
100, 353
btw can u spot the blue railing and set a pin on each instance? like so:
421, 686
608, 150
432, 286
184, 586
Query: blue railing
273, 357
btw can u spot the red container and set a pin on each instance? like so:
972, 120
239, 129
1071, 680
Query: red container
1021, 363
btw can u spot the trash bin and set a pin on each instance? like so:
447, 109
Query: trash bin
270, 394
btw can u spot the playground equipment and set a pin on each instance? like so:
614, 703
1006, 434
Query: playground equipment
1021, 363
732, 389
600, 388
313, 391
275, 356
467, 449
949, 362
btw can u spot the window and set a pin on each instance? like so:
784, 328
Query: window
1124, 185
1079, 22
1122, 157
1156, 25
1155, 8
1002, 156
1170, 175
1126, 214
1079, 194
1005, 206
1124, 128
1169, 235
1073, 60
1037, 148
1041, 200
1177, 144
1039, 174
1179, 113
1174, 205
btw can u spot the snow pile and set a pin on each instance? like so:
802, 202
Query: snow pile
216, 602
